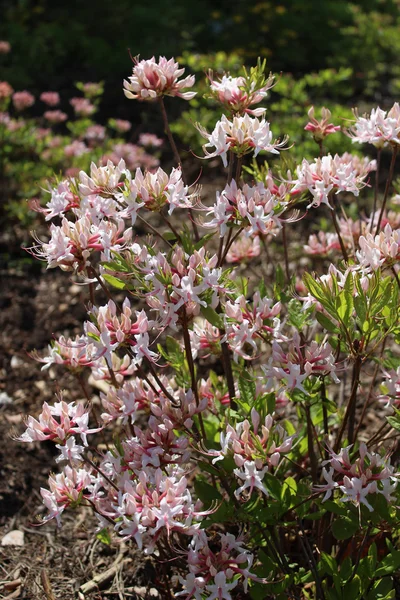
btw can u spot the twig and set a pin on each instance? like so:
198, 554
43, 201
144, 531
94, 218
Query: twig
388, 182
46, 585
101, 578
177, 158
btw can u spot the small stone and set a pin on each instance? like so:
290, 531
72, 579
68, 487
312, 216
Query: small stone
13, 538
74, 290
5, 398
16, 362
41, 385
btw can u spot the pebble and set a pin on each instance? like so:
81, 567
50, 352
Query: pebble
13, 538
5, 398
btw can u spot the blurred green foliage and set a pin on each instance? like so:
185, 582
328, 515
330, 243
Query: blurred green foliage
55, 43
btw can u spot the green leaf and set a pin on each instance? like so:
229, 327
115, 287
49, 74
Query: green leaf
206, 492
326, 323
328, 563
394, 422
114, 281
351, 590
104, 536
247, 389
344, 528
212, 316
382, 590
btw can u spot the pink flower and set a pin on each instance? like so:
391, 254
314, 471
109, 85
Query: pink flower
230, 92
5, 90
151, 140
244, 249
76, 148
242, 135
320, 129
329, 174
378, 250
22, 100
155, 190
95, 132
368, 474
82, 106
5, 47
121, 125
151, 79
50, 98
66, 489
380, 128
91, 89
58, 423
55, 116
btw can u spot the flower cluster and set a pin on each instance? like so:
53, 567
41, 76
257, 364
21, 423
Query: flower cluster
330, 175
255, 450
242, 135
255, 208
244, 324
300, 361
379, 250
216, 571
368, 474
320, 129
380, 128
151, 79
232, 94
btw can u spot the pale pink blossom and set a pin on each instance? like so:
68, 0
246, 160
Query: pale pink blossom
5, 90
155, 190
230, 92
55, 116
66, 489
256, 448
382, 249
76, 148
301, 360
50, 98
22, 100
82, 107
357, 479
150, 140
58, 423
95, 133
244, 249
329, 175
121, 125
320, 129
322, 243
255, 208
391, 388
151, 79
5, 47
107, 180
380, 128
242, 135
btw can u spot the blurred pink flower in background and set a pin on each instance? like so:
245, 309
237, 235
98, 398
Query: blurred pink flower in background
22, 100
121, 125
5, 90
5, 47
82, 106
55, 116
151, 140
50, 98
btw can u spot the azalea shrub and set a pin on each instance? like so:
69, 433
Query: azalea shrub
242, 346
